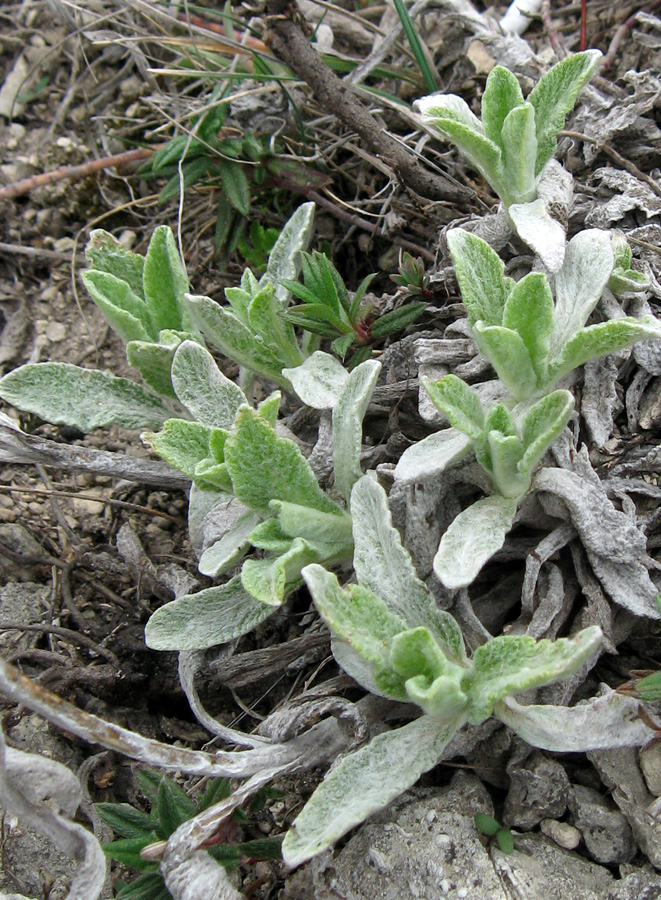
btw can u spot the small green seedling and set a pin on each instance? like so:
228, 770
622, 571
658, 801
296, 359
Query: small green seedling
488, 826
330, 311
412, 279
141, 833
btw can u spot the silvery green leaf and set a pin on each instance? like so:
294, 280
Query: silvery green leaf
268, 580
319, 381
212, 475
481, 276
519, 152
106, 254
623, 281
226, 332
268, 535
227, 550
431, 680
213, 616
580, 283
509, 356
348, 414
482, 154
239, 300
621, 250
472, 539
266, 319
542, 233
164, 280
68, 395
542, 425
447, 106
181, 443
122, 309
511, 664
383, 565
459, 403
354, 665
601, 339
269, 408
210, 397
501, 95
529, 312
206, 514
361, 619
364, 782
602, 723
265, 467
312, 524
505, 454
285, 259
430, 457
554, 96
154, 360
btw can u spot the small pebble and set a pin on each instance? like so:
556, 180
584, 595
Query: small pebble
56, 332
561, 833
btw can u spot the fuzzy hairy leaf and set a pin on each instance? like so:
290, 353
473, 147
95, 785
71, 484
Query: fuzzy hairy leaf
210, 397
509, 356
542, 233
226, 332
529, 312
482, 154
519, 145
164, 280
600, 340
511, 664
285, 258
154, 360
459, 403
126, 820
397, 319
213, 616
313, 525
181, 443
348, 414
364, 782
542, 425
431, 456
267, 320
361, 619
580, 283
447, 106
173, 806
383, 565
554, 96
472, 539
265, 467
319, 381
106, 254
501, 95
268, 580
228, 549
505, 454
481, 276
123, 310
68, 395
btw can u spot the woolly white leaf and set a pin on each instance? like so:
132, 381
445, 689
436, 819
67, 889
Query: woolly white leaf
430, 457
210, 397
319, 381
348, 424
284, 259
543, 234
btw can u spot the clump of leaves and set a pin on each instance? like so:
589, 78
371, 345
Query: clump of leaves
624, 279
255, 248
412, 279
170, 808
515, 139
329, 310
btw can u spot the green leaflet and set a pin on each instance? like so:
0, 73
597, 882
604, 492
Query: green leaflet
182, 443
269, 580
501, 95
285, 258
236, 186
319, 381
364, 782
210, 397
164, 280
69, 395
265, 467
472, 539
230, 548
481, 276
431, 456
313, 525
481, 153
542, 425
267, 320
212, 616
459, 403
555, 95
507, 665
